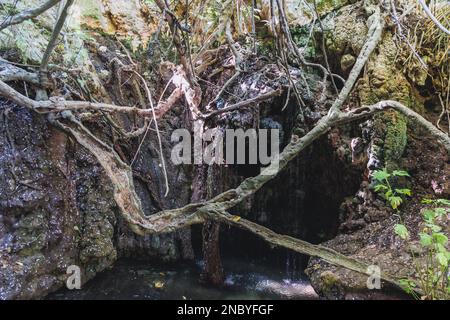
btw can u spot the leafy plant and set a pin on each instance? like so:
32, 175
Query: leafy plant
432, 268
401, 231
302, 37
383, 186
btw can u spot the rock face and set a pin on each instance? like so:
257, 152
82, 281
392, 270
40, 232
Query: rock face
57, 210
126, 19
56, 204
366, 223
37, 206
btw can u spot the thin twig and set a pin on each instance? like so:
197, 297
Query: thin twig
28, 14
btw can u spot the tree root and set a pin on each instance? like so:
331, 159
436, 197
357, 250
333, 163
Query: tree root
413, 116
255, 100
433, 18
56, 105
9, 72
28, 14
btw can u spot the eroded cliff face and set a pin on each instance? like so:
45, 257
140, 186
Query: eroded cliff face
57, 209
388, 140
38, 211
56, 203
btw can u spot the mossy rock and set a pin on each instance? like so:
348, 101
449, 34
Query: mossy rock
301, 37
338, 39
384, 81
327, 6
330, 285
31, 235
393, 126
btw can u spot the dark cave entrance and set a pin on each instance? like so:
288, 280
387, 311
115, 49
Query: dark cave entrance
303, 201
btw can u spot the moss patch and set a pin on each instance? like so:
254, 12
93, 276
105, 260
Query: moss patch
394, 128
326, 6
383, 81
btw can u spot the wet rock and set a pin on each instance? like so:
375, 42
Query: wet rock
366, 233
288, 289
38, 214
57, 209
347, 61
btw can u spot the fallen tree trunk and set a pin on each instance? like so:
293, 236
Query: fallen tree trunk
329, 255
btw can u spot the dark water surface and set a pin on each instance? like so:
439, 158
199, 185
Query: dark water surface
131, 279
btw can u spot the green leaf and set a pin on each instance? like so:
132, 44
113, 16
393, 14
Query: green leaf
433, 227
407, 285
442, 249
380, 187
429, 215
440, 238
442, 259
444, 202
381, 175
427, 201
401, 231
440, 212
425, 240
406, 192
395, 202
400, 173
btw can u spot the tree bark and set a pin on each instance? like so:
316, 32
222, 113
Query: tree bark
212, 270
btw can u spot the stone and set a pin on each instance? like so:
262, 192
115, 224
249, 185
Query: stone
347, 61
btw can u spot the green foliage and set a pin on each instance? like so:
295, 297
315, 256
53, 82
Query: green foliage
383, 186
28, 39
408, 286
401, 231
303, 38
432, 269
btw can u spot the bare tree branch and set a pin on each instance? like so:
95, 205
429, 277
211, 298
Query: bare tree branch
28, 14
55, 105
255, 100
8, 72
56, 31
433, 18
367, 111
376, 21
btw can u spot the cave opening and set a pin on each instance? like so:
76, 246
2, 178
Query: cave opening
303, 201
